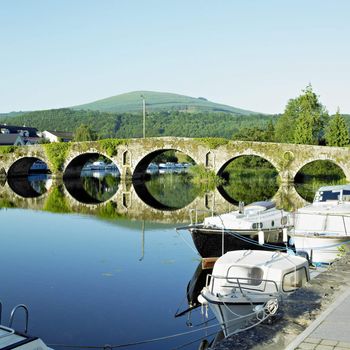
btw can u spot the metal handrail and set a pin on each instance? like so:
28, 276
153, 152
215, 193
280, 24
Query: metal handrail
26, 311
196, 211
241, 286
9, 330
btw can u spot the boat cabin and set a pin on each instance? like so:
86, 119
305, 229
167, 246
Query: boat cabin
258, 271
333, 193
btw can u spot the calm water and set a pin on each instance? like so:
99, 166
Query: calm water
98, 279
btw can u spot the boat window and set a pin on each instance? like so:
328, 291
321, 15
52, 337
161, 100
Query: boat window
251, 276
294, 279
284, 220
272, 223
257, 225
346, 196
324, 196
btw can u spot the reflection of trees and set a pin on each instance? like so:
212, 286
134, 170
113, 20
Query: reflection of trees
56, 202
251, 189
102, 188
173, 190
250, 179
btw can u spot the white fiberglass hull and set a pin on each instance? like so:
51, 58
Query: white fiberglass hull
233, 317
321, 248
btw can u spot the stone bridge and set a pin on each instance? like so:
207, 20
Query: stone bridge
132, 156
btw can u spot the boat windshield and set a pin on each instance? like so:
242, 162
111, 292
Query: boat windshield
324, 196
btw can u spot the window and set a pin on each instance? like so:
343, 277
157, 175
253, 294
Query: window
294, 279
257, 225
247, 276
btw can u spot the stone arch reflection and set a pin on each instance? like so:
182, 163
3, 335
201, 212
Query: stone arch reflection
315, 174
161, 180
91, 178
29, 177
248, 178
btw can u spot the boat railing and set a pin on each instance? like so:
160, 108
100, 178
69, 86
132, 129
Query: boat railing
194, 214
244, 284
26, 313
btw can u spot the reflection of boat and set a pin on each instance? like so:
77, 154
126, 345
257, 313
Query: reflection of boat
194, 287
246, 285
12, 339
321, 227
241, 229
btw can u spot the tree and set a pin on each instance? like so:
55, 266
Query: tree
84, 133
337, 133
303, 120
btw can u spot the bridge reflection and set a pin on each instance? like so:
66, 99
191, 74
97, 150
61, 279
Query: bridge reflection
120, 198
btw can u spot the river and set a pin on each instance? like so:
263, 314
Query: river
98, 261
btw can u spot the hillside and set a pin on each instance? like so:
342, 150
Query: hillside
158, 101
124, 125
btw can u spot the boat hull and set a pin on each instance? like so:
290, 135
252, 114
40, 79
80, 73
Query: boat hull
322, 249
209, 242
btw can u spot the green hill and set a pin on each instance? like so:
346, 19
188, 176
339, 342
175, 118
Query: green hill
131, 102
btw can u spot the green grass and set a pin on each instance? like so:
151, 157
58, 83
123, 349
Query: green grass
158, 101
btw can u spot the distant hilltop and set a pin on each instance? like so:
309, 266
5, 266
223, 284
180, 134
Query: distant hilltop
156, 102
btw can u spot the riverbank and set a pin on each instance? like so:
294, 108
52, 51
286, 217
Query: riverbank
297, 312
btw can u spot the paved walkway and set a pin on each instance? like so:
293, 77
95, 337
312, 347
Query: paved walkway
330, 331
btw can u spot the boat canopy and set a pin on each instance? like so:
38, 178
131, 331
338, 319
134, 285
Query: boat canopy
263, 204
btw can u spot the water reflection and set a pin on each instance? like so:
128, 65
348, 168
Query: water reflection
93, 186
249, 189
32, 186
168, 191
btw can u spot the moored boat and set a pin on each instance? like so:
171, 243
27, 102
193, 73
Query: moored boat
247, 285
322, 229
258, 225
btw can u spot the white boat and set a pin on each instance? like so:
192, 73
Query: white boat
247, 285
12, 339
98, 165
322, 229
258, 222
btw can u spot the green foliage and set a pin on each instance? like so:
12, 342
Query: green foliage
57, 153
262, 134
214, 142
109, 146
84, 133
56, 202
337, 133
201, 175
7, 149
303, 121
127, 125
323, 169
108, 211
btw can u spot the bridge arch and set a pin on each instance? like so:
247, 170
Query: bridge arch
75, 163
145, 160
220, 167
309, 160
21, 167
82, 188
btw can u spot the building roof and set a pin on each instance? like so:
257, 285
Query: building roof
62, 134
8, 139
15, 128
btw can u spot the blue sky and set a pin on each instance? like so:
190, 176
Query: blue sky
253, 54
